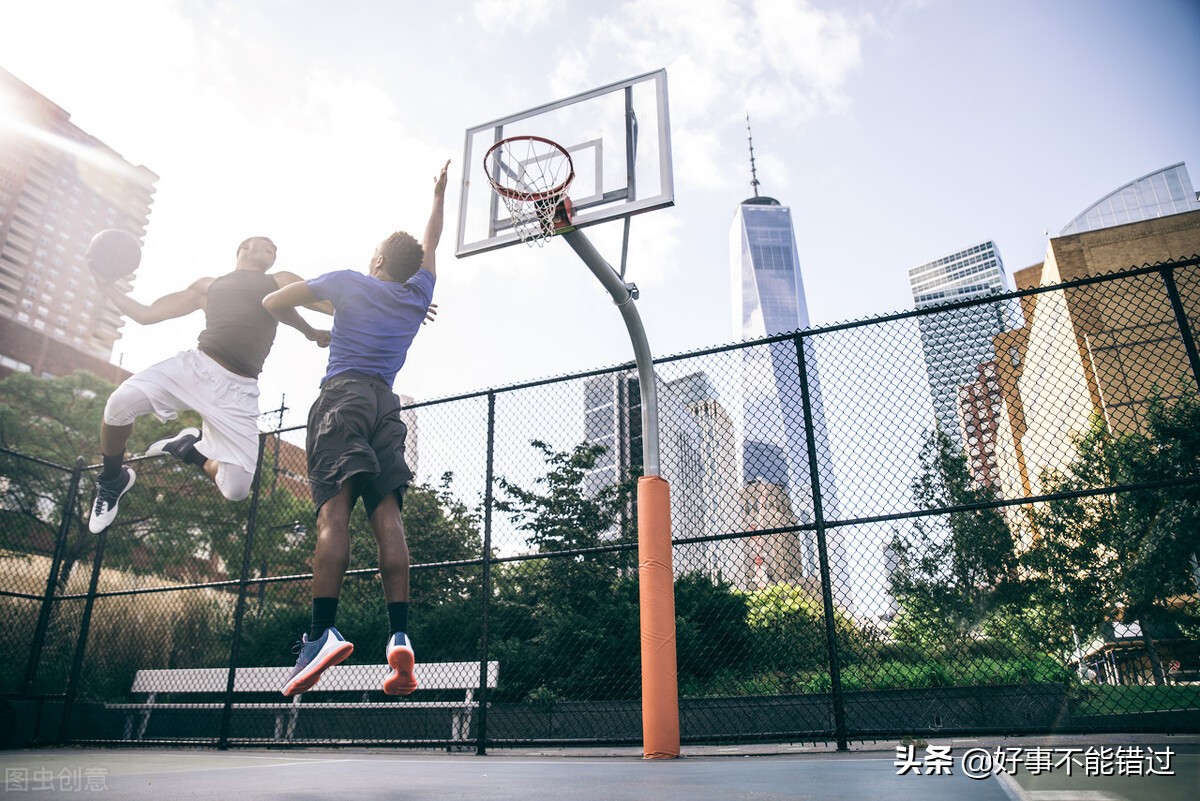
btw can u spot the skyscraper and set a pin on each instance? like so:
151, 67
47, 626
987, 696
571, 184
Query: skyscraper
957, 341
612, 417
59, 186
768, 299
699, 458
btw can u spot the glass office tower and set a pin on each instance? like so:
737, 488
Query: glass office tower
768, 299
958, 341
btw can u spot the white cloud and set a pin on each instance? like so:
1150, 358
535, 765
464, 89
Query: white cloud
778, 60
503, 15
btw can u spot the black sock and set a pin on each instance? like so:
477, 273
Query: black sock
324, 610
192, 456
398, 616
112, 466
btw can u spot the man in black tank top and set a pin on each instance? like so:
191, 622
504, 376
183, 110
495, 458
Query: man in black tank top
218, 379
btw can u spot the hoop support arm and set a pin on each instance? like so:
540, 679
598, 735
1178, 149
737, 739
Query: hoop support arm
623, 295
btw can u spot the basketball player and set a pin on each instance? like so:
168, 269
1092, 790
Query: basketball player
218, 378
355, 440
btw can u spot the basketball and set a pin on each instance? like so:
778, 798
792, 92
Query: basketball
113, 254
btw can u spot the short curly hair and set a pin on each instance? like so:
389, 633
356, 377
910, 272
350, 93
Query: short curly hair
402, 256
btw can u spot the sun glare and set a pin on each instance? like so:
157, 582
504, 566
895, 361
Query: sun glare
13, 124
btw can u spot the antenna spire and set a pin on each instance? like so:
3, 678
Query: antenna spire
753, 171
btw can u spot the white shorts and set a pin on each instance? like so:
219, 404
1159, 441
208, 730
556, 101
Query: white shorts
192, 380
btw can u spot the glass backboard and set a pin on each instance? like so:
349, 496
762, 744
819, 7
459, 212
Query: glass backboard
619, 139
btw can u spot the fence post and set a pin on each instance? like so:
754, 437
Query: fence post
81, 642
240, 610
481, 740
1185, 328
60, 546
835, 670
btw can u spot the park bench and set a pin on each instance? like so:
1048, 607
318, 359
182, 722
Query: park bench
364, 679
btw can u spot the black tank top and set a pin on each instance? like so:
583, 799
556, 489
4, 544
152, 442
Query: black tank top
238, 331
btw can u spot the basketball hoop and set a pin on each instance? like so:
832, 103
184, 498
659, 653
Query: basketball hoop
531, 175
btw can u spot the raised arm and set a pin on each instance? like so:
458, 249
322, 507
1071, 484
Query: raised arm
284, 278
433, 228
282, 305
168, 307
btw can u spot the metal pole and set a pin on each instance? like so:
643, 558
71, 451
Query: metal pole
60, 547
1185, 328
240, 610
656, 578
481, 740
835, 670
81, 642
623, 295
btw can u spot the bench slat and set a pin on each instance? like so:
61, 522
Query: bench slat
349, 678
398, 704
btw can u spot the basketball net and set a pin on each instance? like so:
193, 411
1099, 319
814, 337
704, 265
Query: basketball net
531, 175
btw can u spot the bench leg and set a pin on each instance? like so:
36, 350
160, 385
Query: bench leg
460, 726
141, 732
293, 713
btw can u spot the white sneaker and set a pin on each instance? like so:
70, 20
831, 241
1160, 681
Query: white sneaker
400, 658
108, 498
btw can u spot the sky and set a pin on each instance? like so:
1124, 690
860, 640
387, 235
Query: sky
896, 130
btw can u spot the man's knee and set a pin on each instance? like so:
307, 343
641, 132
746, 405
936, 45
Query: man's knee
234, 482
125, 405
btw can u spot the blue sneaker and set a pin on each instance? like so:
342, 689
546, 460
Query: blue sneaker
403, 679
315, 656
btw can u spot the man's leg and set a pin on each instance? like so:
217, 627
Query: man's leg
323, 649
125, 405
332, 555
388, 527
113, 439
232, 480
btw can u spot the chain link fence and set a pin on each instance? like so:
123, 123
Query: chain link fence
975, 518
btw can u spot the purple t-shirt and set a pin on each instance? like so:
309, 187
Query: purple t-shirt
374, 321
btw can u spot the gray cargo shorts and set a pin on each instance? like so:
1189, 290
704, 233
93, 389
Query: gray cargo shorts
355, 434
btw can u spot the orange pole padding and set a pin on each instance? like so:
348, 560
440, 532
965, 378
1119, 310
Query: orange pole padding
656, 591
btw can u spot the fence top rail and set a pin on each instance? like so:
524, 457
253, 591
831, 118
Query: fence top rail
1116, 275
36, 460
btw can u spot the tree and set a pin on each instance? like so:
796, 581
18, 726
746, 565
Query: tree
163, 522
788, 626
567, 516
1121, 554
952, 570
567, 624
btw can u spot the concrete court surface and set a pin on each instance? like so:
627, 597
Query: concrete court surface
761, 773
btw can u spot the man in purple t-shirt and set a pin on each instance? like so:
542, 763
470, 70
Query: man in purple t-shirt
355, 441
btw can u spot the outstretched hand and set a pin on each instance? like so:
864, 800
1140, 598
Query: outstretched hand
430, 314
108, 288
439, 182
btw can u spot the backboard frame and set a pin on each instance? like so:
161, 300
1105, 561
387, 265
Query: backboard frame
600, 205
